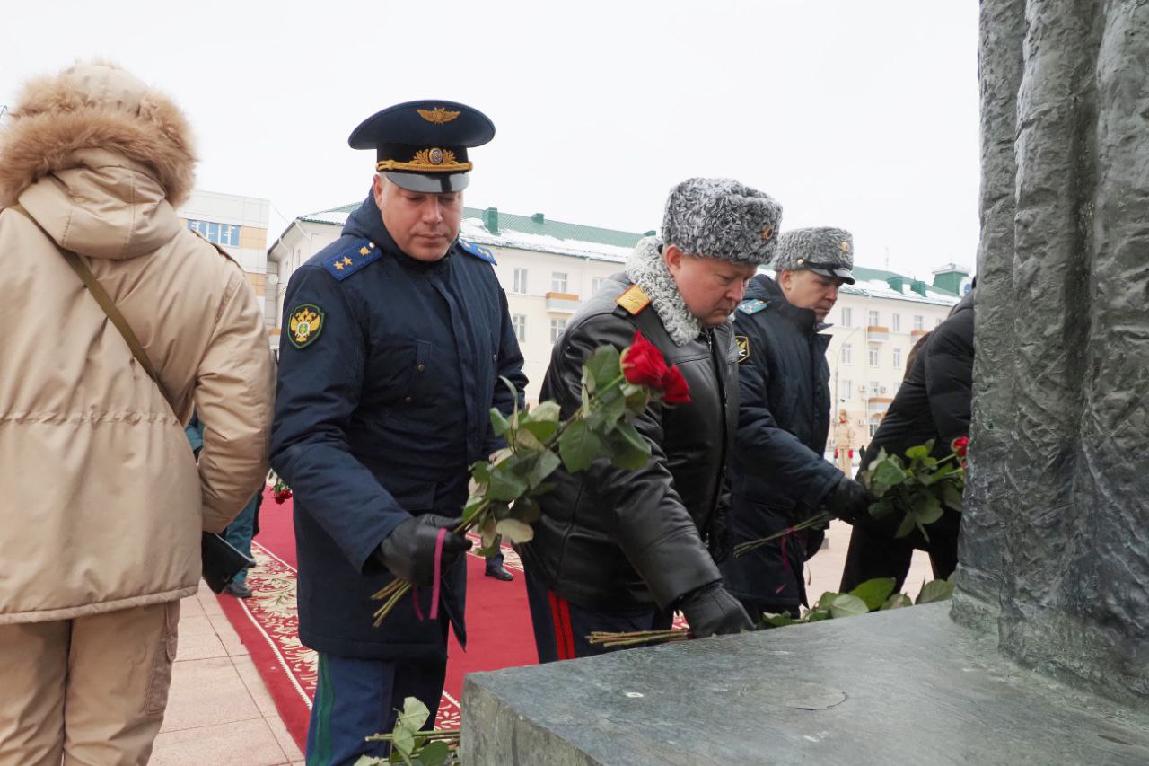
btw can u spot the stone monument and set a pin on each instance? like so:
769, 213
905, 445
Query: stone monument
1055, 535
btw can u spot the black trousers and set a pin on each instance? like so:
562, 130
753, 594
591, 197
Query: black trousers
561, 628
873, 553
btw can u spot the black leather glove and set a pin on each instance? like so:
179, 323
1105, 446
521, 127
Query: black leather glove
409, 551
849, 500
711, 610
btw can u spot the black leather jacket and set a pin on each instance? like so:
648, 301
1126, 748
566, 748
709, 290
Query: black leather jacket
613, 539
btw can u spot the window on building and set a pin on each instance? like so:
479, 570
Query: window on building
558, 282
875, 319
873, 429
219, 233
875, 388
519, 322
846, 389
847, 317
875, 353
596, 285
897, 358
557, 327
896, 322
937, 322
519, 285
847, 353
919, 322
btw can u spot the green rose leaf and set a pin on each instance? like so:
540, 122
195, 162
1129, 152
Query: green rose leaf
928, 509
526, 510
525, 438
435, 754
897, 601
547, 410
826, 599
499, 422
504, 484
604, 366
816, 615
628, 449
952, 496
918, 452
370, 760
579, 446
515, 530
847, 605
874, 592
908, 525
935, 590
886, 475
544, 465
772, 620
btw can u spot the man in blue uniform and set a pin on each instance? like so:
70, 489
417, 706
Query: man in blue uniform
778, 476
394, 338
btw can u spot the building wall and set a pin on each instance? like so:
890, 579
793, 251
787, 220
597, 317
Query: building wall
861, 384
535, 302
239, 225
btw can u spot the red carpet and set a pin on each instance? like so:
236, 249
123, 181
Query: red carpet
498, 625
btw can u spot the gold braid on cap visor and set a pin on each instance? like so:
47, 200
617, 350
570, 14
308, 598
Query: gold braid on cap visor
426, 161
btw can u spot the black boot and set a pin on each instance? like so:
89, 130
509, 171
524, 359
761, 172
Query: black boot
498, 571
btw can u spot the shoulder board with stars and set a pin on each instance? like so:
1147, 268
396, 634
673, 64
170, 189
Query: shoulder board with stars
482, 253
349, 260
752, 306
633, 300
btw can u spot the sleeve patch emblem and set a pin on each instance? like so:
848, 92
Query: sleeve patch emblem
743, 344
305, 324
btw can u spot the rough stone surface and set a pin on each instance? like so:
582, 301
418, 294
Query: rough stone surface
1055, 539
907, 686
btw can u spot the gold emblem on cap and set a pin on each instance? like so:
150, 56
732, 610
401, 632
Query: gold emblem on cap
432, 160
767, 233
844, 247
438, 115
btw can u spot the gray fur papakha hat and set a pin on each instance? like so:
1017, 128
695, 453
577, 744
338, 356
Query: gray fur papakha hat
720, 218
821, 249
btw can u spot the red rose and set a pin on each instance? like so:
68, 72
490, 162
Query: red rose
960, 446
675, 390
643, 364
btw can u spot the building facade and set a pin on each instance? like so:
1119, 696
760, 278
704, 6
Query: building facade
547, 268
239, 226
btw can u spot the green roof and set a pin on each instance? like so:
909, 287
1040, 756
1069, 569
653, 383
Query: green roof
538, 224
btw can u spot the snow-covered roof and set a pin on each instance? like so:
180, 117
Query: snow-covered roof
537, 234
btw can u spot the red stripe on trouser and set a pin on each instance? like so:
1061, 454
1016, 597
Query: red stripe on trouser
564, 636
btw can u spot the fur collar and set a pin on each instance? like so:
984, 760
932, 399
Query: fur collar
646, 269
53, 120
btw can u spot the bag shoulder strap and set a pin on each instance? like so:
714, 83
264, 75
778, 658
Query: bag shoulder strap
84, 272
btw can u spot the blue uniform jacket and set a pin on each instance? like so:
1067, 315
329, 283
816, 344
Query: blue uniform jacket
778, 475
388, 367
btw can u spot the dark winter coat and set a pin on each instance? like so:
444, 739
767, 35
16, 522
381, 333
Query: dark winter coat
778, 473
615, 540
933, 401
377, 418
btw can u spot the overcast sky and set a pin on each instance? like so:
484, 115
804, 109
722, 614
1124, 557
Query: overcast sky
861, 115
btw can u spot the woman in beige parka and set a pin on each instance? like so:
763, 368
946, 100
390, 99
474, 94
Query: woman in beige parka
101, 501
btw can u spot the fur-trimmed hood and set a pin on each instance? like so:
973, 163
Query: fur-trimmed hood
94, 106
646, 269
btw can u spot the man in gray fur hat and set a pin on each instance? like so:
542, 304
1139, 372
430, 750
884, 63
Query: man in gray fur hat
621, 550
778, 476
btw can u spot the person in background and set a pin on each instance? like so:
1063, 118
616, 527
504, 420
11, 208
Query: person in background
103, 503
778, 474
933, 402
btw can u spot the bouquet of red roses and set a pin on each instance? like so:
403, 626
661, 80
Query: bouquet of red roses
616, 389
